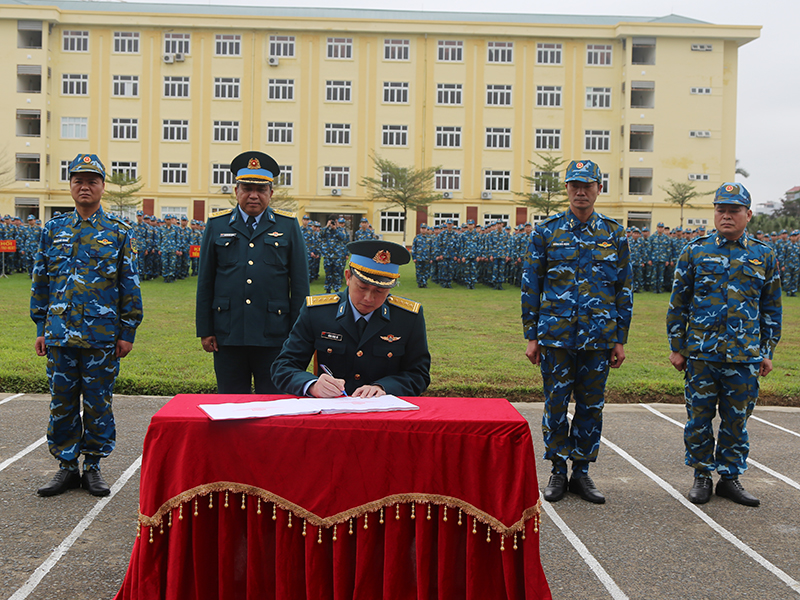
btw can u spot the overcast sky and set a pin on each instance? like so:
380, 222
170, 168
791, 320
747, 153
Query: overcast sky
768, 131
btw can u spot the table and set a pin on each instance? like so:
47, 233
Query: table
437, 503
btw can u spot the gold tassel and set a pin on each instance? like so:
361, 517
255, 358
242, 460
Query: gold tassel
226, 498
211, 500
429, 512
413, 510
459, 516
258, 506
195, 507
397, 515
161, 529
304, 528
138, 529
536, 521
515, 540
381, 521
351, 526
334, 533
444, 518
502, 543
474, 525
274, 512
319, 537
151, 535
488, 534
523, 532
366, 524
290, 519
169, 523
244, 501
180, 511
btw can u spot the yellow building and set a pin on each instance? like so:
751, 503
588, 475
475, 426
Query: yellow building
173, 93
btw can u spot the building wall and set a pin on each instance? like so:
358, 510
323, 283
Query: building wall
675, 112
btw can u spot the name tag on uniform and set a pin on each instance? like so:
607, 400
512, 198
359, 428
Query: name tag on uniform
329, 335
224, 235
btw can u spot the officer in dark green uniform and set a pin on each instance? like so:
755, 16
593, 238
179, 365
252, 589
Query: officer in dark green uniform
253, 280
370, 341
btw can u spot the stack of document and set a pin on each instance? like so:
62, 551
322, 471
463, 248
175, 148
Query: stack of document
304, 406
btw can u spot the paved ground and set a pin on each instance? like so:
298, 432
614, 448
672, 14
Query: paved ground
646, 542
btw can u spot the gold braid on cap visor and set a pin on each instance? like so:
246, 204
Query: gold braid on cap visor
373, 271
247, 178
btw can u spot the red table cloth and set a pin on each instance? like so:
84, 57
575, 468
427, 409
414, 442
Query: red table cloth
442, 502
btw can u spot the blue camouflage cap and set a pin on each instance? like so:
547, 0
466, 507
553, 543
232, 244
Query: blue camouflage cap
583, 170
31, 218
732, 193
364, 220
645, 229
471, 222
87, 163
660, 224
306, 217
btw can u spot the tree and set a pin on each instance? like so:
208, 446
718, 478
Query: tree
681, 193
281, 199
547, 193
119, 200
741, 170
407, 188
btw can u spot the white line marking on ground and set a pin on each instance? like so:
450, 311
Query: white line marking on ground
724, 533
755, 463
10, 398
43, 569
775, 426
590, 560
22, 453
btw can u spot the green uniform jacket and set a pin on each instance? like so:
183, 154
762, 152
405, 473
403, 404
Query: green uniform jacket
250, 287
392, 353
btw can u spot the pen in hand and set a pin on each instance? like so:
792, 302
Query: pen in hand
328, 371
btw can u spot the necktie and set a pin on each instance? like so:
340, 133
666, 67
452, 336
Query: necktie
362, 325
251, 223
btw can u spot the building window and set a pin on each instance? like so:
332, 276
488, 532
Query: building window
700, 90
27, 167
174, 173
548, 139
604, 184
546, 181
337, 133
441, 219
450, 51
74, 128
447, 180
221, 174
643, 94
597, 140
281, 89
548, 54
548, 95
226, 131
227, 45
395, 135
226, 87
176, 87
129, 169
75, 41
126, 85
448, 137
285, 178
643, 51
489, 218
498, 137
124, 129
396, 49
500, 52
337, 177
498, 95
177, 43
598, 54
640, 182
340, 48
29, 122
395, 92
63, 172
497, 181
279, 133
598, 97
175, 130
337, 91
392, 222
29, 34
448, 93
126, 42
281, 45
641, 138
74, 84
698, 176
29, 79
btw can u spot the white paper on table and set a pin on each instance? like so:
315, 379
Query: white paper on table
304, 406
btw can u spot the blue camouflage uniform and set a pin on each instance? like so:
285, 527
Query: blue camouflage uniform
791, 255
660, 252
421, 252
334, 251
171, 243
446, 248
468, 252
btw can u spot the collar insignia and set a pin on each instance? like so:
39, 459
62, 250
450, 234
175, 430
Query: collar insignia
390, 338
275, 234
383, 257
253, 164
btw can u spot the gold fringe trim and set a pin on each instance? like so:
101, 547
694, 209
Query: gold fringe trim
343, 517
353, 265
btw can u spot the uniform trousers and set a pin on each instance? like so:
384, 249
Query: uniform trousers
239, 369
731, 388
581, 375
73, 372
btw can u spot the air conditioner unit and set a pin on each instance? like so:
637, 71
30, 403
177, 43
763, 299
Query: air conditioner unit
273, 61
486, 195
226, 189
180, 57
336, 192
168, 58
447, 195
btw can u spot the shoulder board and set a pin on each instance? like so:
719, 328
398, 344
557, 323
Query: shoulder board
758, 241
404, 303
550, 218
119, 221
284, 213
220, 213
322, 299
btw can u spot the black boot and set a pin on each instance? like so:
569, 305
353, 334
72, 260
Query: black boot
62, 481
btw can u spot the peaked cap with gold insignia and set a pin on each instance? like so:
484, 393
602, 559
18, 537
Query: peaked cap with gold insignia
254, 167
377, 262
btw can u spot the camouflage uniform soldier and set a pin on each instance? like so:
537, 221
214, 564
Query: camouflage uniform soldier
421, 251
364, 232
334, 251
636, 244
497, 248
468, 251
316, 246
139, 234
648, 260
195, 239
576, 311
792, 258
660, 250
184, 243
446, 249
86, 304
723, 323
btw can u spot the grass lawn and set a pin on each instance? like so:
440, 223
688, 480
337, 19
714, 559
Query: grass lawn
475, 338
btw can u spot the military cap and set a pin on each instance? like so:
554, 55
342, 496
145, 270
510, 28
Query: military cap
583, 170
364, 220
732, 193
31, 218
184, 218
139, 213
660, 225
254, 167
377, 262
423, 226
306, 217
645, 229
635, 230
759, 232
471, 222
782, 230
87, 163
341, 219
528, 224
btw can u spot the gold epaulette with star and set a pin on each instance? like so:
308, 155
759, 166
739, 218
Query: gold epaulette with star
322, 299
404, 303
220, 213
284, 213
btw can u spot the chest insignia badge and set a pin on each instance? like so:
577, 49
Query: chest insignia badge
275, 234
755, 261
390, 338
105, 242
605, 244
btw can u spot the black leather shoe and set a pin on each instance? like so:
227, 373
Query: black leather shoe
732, 490
585, 488
701, 490
556, 487
62, 481
92, 481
